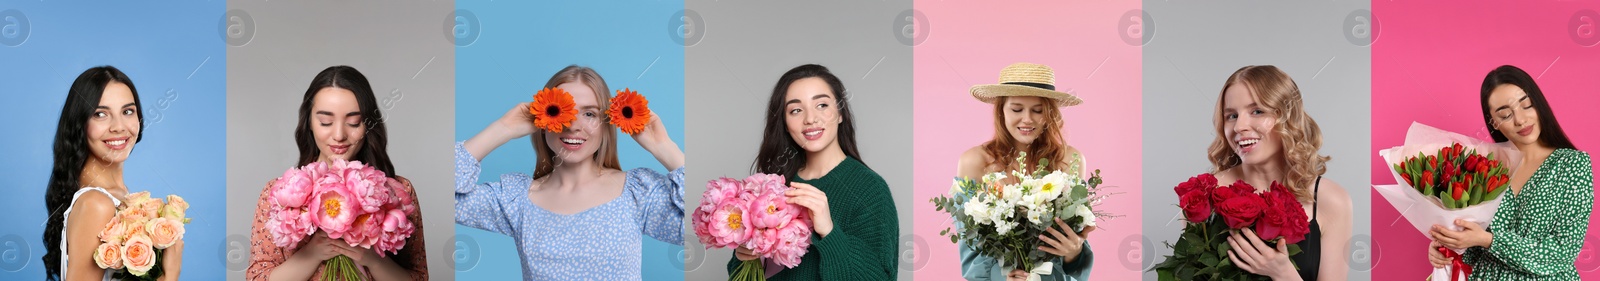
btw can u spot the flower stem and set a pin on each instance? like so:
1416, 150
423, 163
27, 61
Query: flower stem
753, 270
340, 267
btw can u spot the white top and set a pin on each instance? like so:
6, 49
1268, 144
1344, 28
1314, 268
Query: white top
68, 215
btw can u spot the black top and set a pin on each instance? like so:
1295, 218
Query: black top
1311, 248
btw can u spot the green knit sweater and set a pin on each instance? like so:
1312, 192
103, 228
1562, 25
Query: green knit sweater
862, 245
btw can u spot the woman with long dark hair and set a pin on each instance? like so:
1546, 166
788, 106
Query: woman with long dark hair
338, 120
579, 216
810, 140
1540, 225
100, 123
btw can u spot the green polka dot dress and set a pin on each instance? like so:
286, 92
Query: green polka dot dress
1537, 234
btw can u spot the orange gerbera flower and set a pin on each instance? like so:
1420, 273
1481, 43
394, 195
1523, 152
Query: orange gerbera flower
629, 111
553, 109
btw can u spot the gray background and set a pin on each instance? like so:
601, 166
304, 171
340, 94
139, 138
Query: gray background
1195, 46
400, 47
731, 70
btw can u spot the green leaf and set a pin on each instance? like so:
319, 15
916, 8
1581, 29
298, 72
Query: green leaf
1209, 270
1165, 275
1496, 192
1191, 236
1168, 264
1208, 260
1182, 248
1192, 247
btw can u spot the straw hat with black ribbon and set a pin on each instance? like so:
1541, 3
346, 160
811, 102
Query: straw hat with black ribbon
1025, 80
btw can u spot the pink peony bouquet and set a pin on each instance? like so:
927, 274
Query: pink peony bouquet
143, 228
347, 200
753, 214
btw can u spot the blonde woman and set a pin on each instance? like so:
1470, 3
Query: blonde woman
579, 216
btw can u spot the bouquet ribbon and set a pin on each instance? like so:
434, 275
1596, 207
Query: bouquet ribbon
1044, 268
1458, 267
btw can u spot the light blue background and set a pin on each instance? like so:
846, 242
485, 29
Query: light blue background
519, 46
171, 50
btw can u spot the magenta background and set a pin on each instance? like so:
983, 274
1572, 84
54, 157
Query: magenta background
1428, 64
968, 43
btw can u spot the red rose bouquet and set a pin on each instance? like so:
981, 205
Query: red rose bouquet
1201, 253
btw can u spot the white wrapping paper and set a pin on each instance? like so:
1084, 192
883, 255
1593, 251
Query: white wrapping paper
1425, 211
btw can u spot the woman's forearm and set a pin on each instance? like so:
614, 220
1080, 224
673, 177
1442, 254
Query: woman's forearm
487, 140
668, 154
170, 273
294, 269
387, 269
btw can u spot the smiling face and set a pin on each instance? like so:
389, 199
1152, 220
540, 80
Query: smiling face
337, 124
811, 113
1248, 126
1025, 117
580, 141
114, 126
1511, 110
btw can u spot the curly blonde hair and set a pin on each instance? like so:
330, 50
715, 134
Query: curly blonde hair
1275, 91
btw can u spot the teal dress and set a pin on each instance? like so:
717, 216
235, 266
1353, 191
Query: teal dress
1538, 233
978, 267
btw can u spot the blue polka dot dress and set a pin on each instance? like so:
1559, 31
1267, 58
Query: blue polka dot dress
601, 243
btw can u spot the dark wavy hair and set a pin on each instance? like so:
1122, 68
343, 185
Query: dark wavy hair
374, 143
779, 154
1549, 130
72, 151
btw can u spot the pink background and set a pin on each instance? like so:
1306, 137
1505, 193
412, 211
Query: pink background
968, 44
1428, 63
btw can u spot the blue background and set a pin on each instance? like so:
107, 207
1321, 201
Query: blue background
172, 51
519, 46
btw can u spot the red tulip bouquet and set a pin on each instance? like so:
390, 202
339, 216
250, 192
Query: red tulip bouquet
1444, 176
